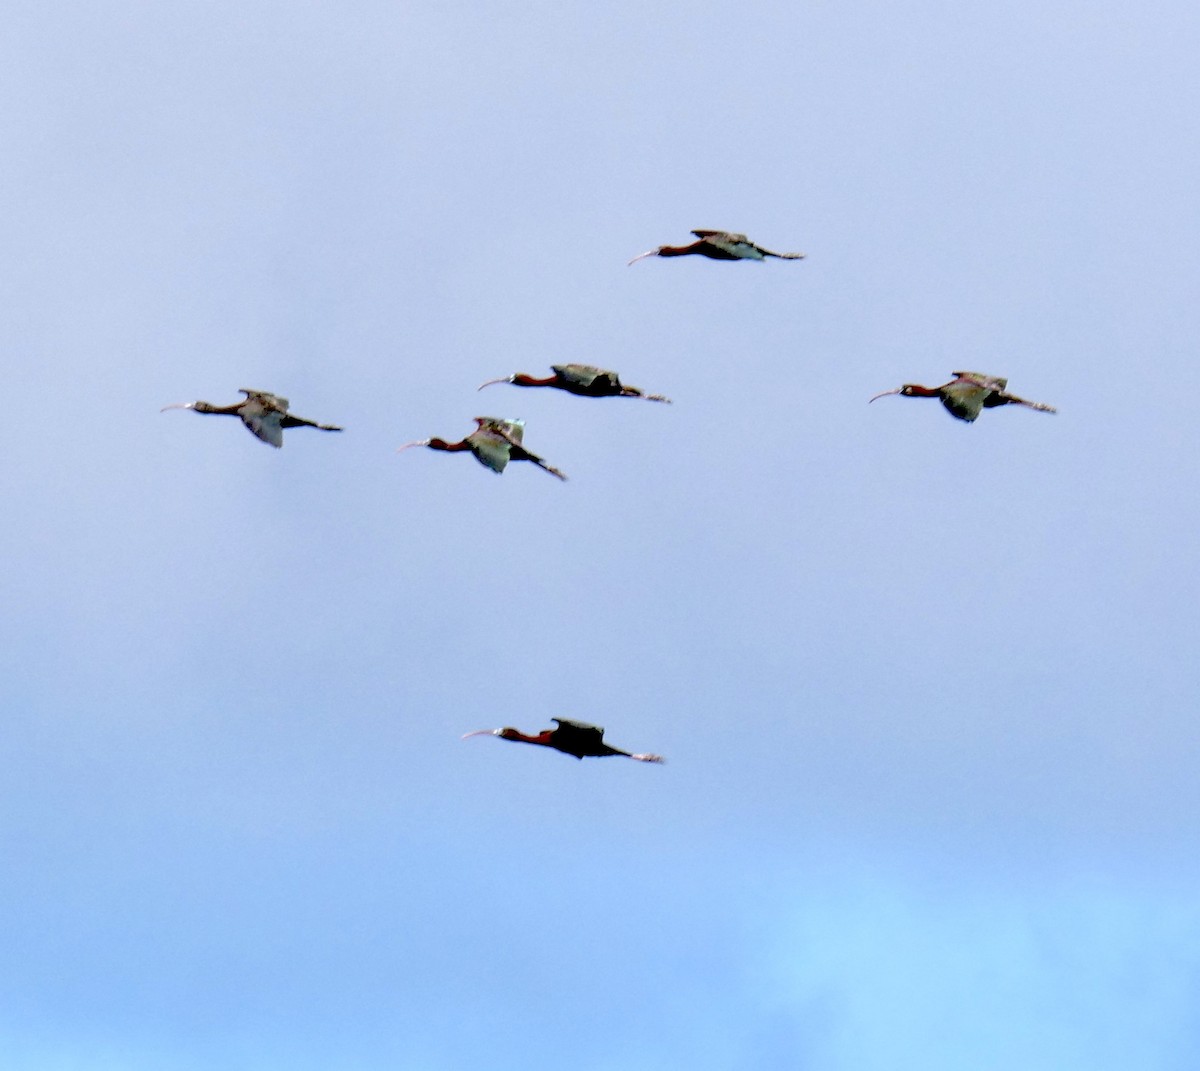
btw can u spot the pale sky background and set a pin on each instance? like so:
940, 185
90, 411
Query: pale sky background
927, 690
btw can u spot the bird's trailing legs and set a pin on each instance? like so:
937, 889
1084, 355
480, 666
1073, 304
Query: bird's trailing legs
519, 453
291, 421
641, 757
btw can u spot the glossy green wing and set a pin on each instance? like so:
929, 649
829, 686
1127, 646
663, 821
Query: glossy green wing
964, 398
984, 380
588, 377
490, 448
737, 246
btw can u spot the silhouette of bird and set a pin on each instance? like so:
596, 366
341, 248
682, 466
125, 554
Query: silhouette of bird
583, 379
494, 443
571, 737
264, 414
718, 245
968, 394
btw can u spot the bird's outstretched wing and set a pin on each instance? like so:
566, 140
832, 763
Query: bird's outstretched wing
732, 246
490, 448
739, 246
983, 380
587, 376
263, 415
569, 730
266, 398
997, 392
964, 398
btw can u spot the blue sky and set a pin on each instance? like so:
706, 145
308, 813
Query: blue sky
927, 691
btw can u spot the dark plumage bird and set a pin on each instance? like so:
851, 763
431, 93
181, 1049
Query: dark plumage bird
264, 414
571, 738
494, 443
583, 379
718, 245
968, 394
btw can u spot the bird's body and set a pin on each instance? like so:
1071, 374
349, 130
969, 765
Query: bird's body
718, 245
264, 414
494, 443
575, 738
585, 380
968, 395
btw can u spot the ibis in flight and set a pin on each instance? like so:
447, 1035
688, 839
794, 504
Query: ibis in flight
583, 379
718, 245
264, 414
571, 738
968, 394
494, 443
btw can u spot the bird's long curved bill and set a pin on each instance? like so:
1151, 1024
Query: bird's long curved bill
178, 405
657, 398
642, 256
479, 732
502, 379
408, 446
885, 394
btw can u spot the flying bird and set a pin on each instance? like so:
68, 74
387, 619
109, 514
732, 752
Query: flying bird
968, 394
571, 738
583, 379
718, 245
494, 443
264, 414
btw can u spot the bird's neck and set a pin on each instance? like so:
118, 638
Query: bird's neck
679, 250
522, 380
542, 738
453, 448
924, 392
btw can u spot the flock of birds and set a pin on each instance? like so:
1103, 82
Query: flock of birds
496, 441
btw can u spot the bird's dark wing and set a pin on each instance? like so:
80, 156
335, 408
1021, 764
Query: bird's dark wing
964, 398
586, 376
983, 380
740, 247
569, 730
266, 398
511, 430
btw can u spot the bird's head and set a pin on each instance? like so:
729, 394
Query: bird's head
507, 733
186, 405
906, 391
